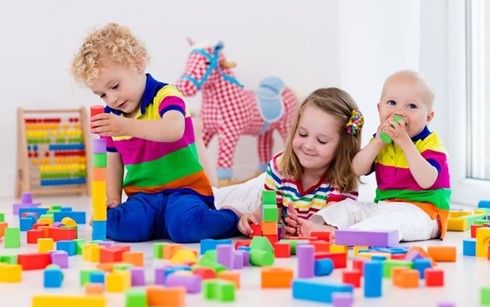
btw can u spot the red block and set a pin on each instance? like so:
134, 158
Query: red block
339, 259
34, 261
33, 235
58, 234
205, 273
256, 230
321, 235
282, 249
320, 246
271, 238
398, 256
358, 264
352, 277
113, 253
245, 243
473, 229
434, 277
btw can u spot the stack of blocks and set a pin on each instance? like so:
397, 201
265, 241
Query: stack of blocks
98, 184
269, 216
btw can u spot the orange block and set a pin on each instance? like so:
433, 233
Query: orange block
135, 258
3, 225
94, 289
269, 228
442, 253
170, 249
275, 277
232, 276
98, 173
161, 296
406, 278
320, 246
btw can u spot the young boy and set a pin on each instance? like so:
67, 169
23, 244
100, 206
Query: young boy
149, 136
411, 171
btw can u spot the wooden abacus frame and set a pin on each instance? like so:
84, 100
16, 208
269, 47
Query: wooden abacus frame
24, 180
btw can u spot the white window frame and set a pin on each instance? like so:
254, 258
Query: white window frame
466, 191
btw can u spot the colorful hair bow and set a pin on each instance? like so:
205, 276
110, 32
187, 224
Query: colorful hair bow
355, 123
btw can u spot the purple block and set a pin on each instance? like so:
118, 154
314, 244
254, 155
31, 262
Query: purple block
342, 299
58, 224
238, 260
26, 198
99, 146
373, 238
160, 276
137, 277
59, 257
192, 283
16, 207
446, 304
306, 260
246, 257
413, 255
224, 255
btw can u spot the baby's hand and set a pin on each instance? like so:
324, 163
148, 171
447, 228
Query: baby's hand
292, 223
107, 124
112, 203
244, 223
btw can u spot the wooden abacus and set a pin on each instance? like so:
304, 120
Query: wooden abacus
52, 147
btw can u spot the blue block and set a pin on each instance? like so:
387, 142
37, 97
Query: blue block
26, 223
39, 211
68, 246
99, 227
422, 264
317, 291
469, 247
373, 278
77, 216
53, 276
323, 267
484, 204
97, 277
244, 248
210, 244
96, 237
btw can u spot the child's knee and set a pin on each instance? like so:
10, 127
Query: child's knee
125, 228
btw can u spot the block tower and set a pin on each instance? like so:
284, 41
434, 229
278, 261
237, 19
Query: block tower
269, 216
99, 207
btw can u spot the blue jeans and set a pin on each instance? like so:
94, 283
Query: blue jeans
178, 216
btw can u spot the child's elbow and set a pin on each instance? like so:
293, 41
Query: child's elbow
176, 134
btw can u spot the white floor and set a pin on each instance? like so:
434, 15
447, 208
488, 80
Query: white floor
463, 279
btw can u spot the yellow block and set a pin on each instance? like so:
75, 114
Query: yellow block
359, 248
45, 245
118, 281
86, 251
10, 273
338, 248
68, 221
68, 300
98, 194
457, 224
45, 220
184, 255
482, 239
458, 213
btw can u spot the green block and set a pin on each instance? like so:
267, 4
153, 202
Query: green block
261, 243
270, 213
100, 159
215, 266
12, 237
261, 258
136, 297
9, 259
85, 276
78, 246
485, 296
269, 198
158, 250
225, 291
2, 217
388, 265
481, 222
209, 289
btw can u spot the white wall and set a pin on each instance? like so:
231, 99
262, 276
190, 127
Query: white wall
353, 44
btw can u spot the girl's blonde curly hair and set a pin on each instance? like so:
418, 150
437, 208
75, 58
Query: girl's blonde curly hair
112, 43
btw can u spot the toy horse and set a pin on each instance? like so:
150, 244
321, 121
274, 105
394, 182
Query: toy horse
229, 110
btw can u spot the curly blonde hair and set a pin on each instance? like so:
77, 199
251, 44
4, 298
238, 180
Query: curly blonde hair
112, 43
340, 104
